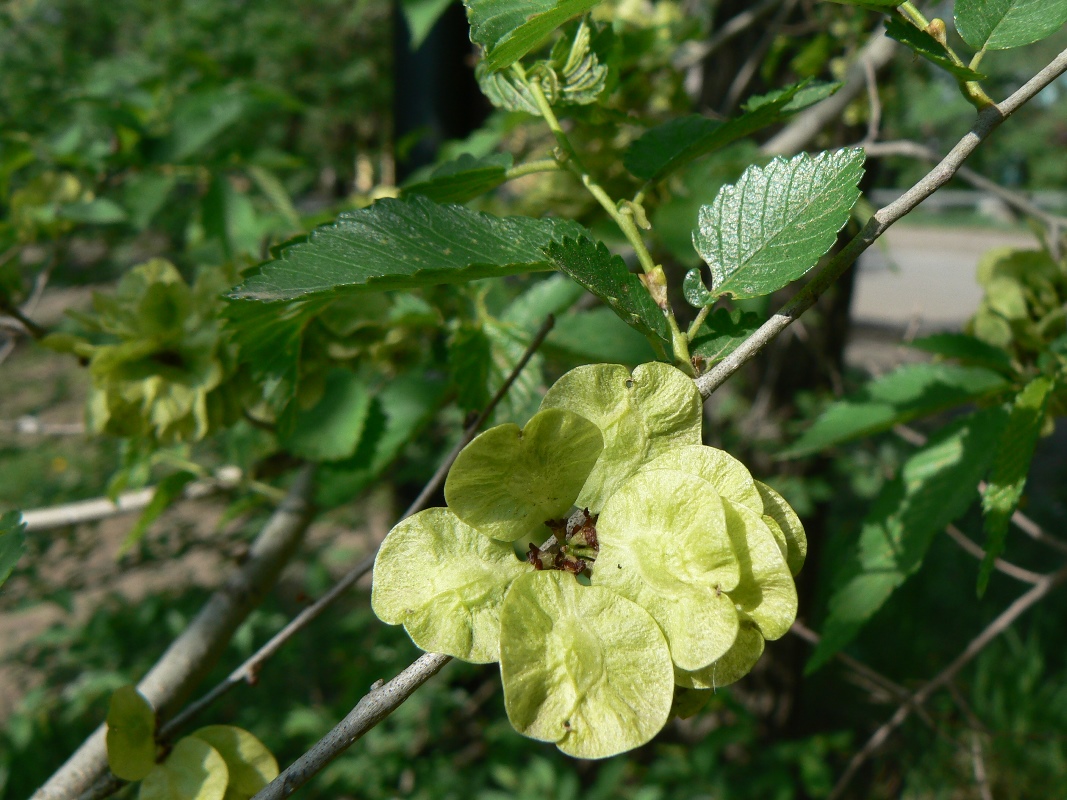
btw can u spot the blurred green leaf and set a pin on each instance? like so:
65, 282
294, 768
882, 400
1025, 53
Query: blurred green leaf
167, 491
131, 730
598, 335
100, 211
909, 392
12, 542
331, 429
966, 349
421, 16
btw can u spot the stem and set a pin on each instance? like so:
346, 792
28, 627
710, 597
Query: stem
972, 90
909, 10
532, 167
695, 326
623, 218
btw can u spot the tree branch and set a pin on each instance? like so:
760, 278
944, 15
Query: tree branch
192, 655
989, 119
994, 629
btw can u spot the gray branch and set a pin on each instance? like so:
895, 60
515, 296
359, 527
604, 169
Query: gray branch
989, 119
192, 655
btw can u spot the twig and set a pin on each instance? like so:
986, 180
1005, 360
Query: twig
84, 511
1009, 569
989, 119
874, 121
744, 76
193, 654
33, 426
375, 706
994, 629
981, 779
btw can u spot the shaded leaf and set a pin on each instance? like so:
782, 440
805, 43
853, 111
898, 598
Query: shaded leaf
508, 482
250, 764
331, 429
99, 211
462, 179
403, 244
641, 415
794, 539
12, 542
1014, 452
673, 144
909, 392
131, 734
967, 349
664, 544
167, 491
509, 29
605, 275
194, 770
582, 666
935, 486
1003, 24
552, 295
270, 334
444, 582
923, 44
722, 332
469, 366
774, 224
598, 336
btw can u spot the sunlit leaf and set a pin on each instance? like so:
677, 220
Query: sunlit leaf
194, 770
641, 416
509, 29
131, 734
444, 582
664, 544
582, 666
403, 244
735, 664
250, 764
1003, 24
774, 224
793, 539
508, 482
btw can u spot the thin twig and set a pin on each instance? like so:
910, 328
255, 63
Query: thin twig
989, 119
194, 653
874, 120
981, 779
33, 426
744, 75
691, 56
1009, 569
994, 629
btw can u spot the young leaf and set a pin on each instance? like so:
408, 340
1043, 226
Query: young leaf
167, 491
462, 179
1003, 24
735, 664
331, 429
967, 349
403, 244
909, 392
922, 43
605, 275
250, 764
774, 224
722, 332
674, 144
731, 478
131, 734
641, 416
935, 486
508, 482
582, 666
509, 29
12, 542
194, 770
1015, 450
444, 582
664, 544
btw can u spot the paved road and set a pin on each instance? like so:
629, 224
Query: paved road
925, 276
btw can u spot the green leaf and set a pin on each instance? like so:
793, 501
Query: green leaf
735, 664
907, 393
794, 541
667, 147
131, 734
403, 244
508, 482
331, 429
397, 413
730, 478
922, 43
967, 349
444, 582
194, 770
100, 211
167, 491
936, 485
249, 763
664, 544
1014, 452
552, 295
582, 666
270, 335
462, 179
641, 416
1003, 24
12, 542
605, 275
469, 366
723, 332
144, 195
774, 224
198, 118
509, 29
597, 336
421, 16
